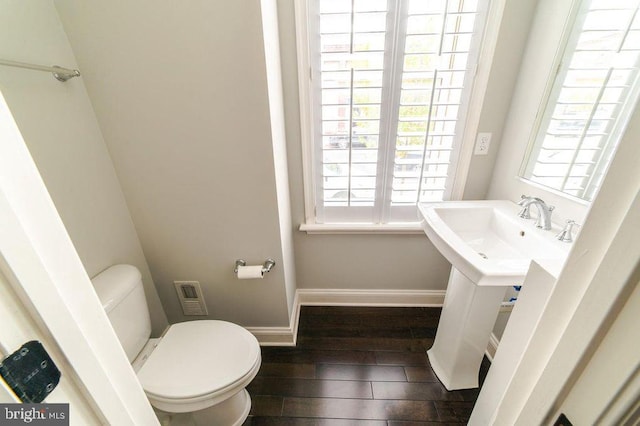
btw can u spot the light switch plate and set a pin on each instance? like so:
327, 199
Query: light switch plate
483, 141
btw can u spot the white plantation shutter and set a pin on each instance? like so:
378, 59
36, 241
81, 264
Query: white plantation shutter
595, 91
391, 82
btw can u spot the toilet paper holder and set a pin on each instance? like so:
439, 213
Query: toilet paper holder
266, 266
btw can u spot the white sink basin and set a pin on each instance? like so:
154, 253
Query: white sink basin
487, 241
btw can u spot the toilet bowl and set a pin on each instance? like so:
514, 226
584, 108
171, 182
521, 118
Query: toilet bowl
198, 364
195, 365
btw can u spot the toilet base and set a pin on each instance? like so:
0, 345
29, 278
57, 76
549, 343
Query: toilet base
230, 412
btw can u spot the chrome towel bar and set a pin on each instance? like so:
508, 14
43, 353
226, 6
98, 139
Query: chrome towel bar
61, 74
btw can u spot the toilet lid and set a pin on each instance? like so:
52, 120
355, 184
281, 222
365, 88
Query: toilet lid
197, 358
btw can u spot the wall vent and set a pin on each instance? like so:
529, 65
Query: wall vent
190, 296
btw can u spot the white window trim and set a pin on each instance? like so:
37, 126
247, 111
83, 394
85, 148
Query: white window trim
362, 228
461, 169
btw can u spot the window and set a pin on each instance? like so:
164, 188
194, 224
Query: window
390, 84
594, 93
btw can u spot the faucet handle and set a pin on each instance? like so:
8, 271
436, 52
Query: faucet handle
522, 200
565, 235
524, 212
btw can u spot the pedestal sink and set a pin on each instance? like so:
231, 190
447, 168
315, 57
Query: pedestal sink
490, 248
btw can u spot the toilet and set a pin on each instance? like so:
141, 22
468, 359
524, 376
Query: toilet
196, 366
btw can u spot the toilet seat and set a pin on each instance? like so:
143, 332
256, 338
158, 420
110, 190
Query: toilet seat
198, 364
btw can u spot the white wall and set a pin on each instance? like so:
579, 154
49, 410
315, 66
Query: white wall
60, 129
180, 91
504, 73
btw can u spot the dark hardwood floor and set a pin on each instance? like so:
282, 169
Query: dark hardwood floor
357, 366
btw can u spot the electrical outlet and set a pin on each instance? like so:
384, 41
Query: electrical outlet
483, 142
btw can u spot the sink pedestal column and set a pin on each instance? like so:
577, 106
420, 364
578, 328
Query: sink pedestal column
466, 322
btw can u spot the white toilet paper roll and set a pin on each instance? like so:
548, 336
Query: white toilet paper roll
250, 272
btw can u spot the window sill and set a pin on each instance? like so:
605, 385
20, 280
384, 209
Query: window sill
362, 228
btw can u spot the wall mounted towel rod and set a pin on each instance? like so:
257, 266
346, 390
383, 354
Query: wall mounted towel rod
62, 74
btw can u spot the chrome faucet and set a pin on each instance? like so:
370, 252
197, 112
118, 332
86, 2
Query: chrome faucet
544, 211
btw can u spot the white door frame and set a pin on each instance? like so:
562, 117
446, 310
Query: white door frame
38, 257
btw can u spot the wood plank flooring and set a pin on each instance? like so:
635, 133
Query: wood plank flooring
357, 366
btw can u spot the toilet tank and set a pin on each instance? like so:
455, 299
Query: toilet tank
122, 295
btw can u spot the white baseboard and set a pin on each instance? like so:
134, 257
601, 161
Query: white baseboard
280, 336
274, 336
407, 298
286, 336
